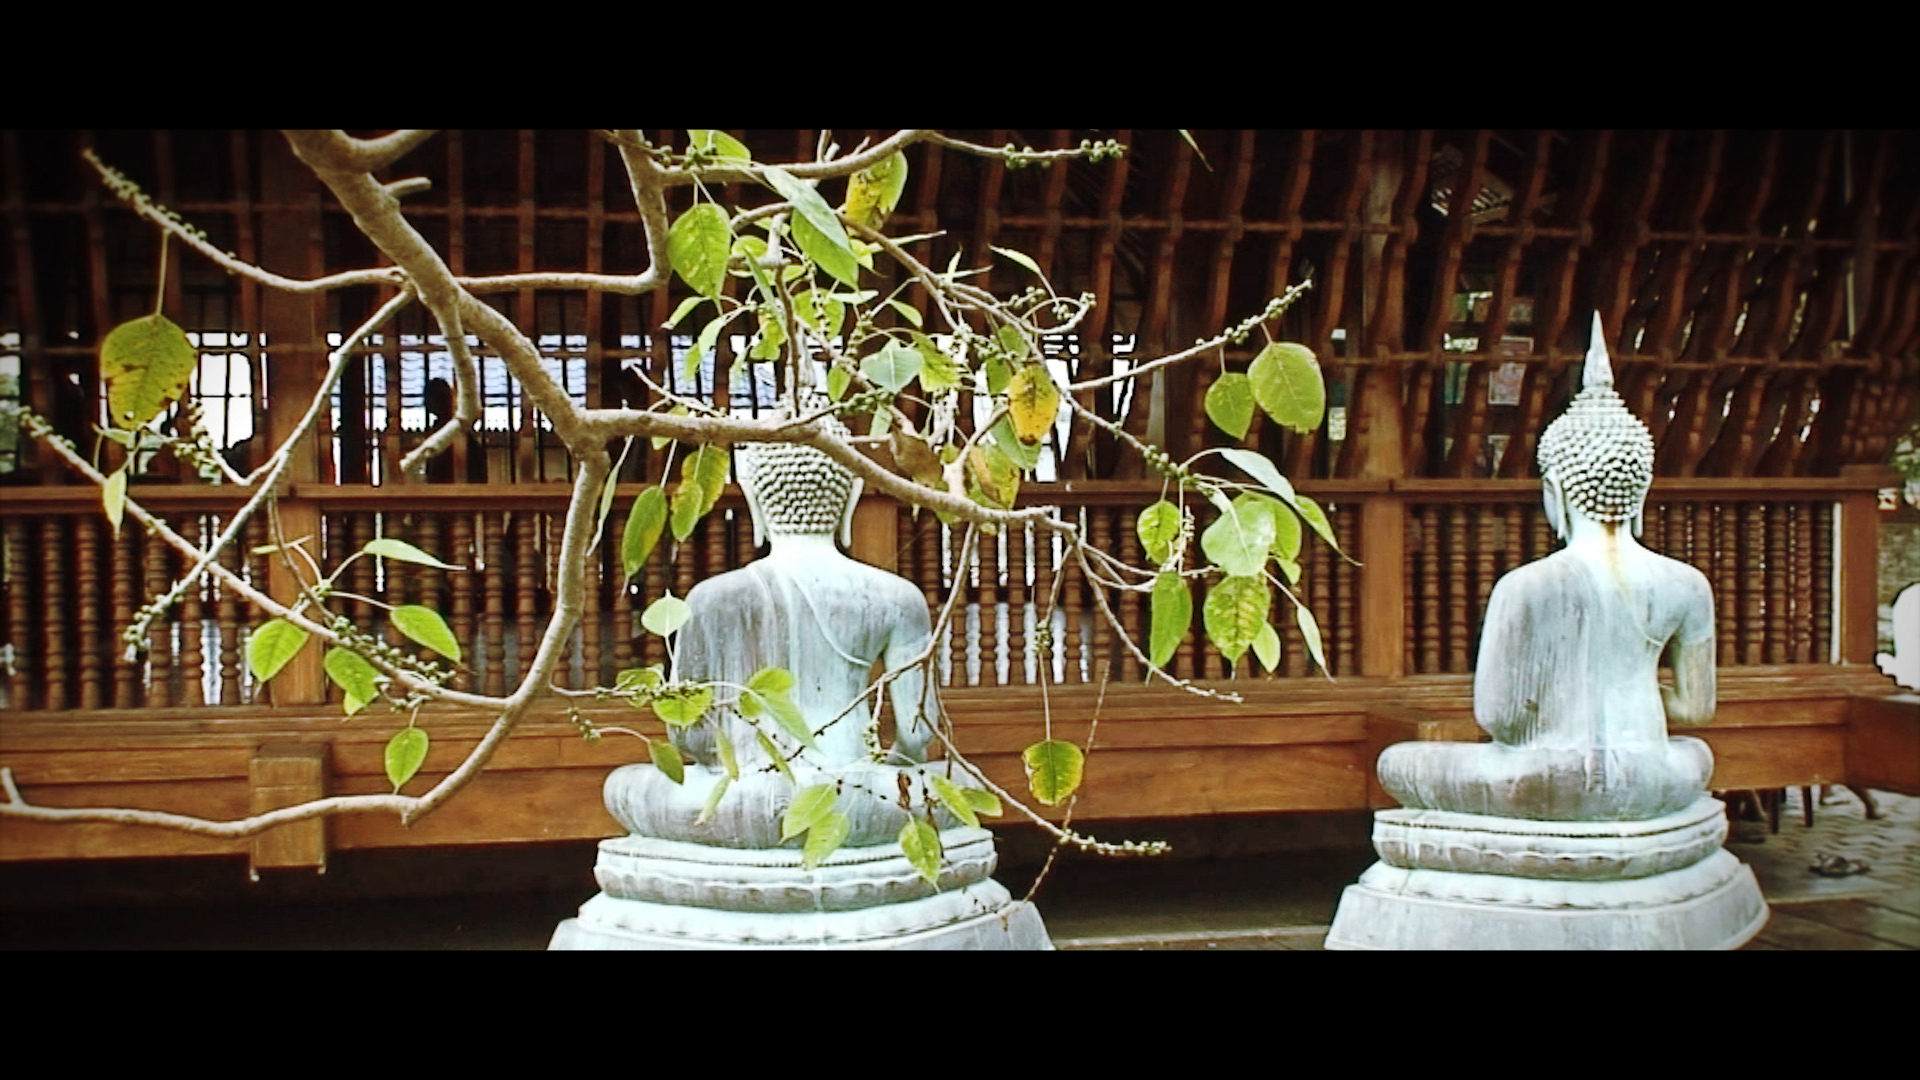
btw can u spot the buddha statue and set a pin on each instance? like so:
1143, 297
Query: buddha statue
691, 874
1582, 802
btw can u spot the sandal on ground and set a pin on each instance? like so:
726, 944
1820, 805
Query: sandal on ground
1837, 866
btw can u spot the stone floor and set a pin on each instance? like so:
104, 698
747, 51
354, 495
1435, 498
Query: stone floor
1875, 910
1250, 902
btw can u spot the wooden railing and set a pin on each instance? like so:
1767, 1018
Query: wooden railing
1427, 551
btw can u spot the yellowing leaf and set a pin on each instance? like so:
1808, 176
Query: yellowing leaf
146, 364
1158, 527
824, 839
1235, 611
665, 615
921, 844
874, 191
1053, 770
1033, 403
113, 499
954, 798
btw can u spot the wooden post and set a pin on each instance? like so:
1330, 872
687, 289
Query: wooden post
876, 533
1857, 622
296, 358
1378, 425
287, 774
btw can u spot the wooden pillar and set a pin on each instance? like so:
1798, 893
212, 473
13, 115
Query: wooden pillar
1378, 426
296, 359
1856, 624
876, 533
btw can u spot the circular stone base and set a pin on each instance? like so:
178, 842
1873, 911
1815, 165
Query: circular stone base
1714, 904
979, 917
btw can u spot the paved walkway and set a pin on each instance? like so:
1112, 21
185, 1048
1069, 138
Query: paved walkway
1875, 910
1271, 902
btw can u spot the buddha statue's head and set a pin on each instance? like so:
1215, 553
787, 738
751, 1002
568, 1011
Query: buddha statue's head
795, 490
1597, 458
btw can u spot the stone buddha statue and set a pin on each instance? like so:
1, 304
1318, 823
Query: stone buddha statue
1582, 824
691, 875
1568, 679
827, 619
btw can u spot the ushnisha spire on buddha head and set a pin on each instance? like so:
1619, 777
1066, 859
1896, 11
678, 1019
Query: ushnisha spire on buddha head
1599, 455
795, 490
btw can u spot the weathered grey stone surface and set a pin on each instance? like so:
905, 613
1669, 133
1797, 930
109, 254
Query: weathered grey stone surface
1582, 824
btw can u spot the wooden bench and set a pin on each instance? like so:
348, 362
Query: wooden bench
1298, 745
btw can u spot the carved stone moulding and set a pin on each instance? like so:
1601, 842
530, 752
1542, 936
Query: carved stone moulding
1558, 850
1713, 904
661, 894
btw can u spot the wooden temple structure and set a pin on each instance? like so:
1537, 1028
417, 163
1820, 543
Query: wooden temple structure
1760, 290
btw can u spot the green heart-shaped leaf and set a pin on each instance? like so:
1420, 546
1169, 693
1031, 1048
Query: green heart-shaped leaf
424, 625
406, 752
270, 647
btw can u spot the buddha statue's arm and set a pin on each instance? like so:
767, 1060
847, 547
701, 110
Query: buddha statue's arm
1690, 700
914, 697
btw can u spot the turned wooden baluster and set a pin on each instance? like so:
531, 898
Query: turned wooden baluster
193, 660
54, 551
990, 609
463, 587
227, 619
1346, 586
1820, 581
19, 612
1778, 600
126, 673
1101, 535
529, 575
1753, 583
160, 660
1700, 548
1486, 534
1017, 658
494, 619
1726, 583
1800, 624
1046, 569
1072, 644
87, 558
1459, 589
1135, 613
1428, 594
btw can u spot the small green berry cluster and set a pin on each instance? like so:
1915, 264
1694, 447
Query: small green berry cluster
391, 655
1158, 460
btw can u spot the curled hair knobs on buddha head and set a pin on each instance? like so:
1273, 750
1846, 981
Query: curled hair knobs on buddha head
1597, 454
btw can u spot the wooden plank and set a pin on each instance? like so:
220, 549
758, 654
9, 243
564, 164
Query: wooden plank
287, 774
1775, 757
1883, 743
